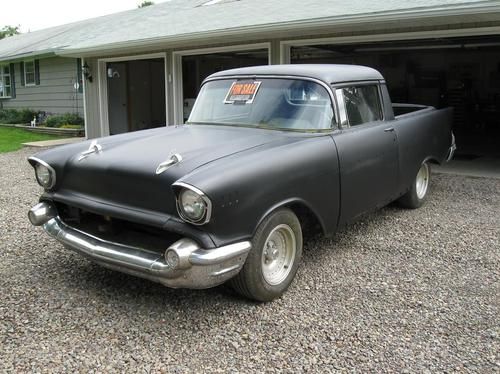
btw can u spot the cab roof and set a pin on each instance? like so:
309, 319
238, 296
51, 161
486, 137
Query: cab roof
328, 73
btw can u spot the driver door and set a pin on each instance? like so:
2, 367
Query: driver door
368, 153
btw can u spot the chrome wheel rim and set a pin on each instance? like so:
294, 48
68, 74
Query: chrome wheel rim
278, 254
422, 181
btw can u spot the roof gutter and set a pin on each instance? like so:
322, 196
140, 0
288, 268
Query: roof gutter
406, 15
24, 56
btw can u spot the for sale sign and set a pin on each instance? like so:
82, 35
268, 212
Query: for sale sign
242, 92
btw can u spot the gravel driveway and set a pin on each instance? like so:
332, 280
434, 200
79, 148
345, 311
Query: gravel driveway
399, 291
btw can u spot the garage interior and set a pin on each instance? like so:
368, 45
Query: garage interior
136, 95
195, 68
460, 72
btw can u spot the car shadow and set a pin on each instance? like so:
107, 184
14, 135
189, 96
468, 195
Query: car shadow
318, 246
85, 276
122, 290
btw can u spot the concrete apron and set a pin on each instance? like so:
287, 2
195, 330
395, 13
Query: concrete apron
53, 143
485, 167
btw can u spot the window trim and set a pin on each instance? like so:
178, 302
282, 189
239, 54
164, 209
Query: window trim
338, 91
2, 75
26, 84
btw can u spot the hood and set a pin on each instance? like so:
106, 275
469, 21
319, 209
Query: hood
124, 171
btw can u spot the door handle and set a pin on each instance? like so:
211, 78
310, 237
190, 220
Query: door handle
389, 129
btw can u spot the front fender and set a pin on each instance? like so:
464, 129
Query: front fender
244, 188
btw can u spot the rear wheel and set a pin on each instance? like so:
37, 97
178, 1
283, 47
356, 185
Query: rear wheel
272, 263
415, 197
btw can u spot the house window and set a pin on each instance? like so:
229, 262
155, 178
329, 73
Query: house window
5, 81
29, 73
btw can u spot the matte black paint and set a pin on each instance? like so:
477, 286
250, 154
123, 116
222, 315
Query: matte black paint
369, 168
248, 172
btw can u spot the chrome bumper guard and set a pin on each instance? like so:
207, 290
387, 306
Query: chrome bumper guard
183, 264
452, 149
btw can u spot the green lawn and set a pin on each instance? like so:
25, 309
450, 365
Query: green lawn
12, 138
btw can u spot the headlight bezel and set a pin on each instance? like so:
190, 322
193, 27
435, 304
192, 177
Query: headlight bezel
52, 173
180, 187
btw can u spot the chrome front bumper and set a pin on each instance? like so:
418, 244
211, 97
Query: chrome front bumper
189, 266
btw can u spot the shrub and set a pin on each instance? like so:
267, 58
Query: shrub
59, 120
15, 116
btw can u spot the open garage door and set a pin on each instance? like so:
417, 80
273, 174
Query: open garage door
195, 68
460, 72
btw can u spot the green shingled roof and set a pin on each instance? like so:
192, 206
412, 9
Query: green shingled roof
185, 19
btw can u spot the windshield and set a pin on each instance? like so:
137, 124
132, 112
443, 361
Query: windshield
281, 104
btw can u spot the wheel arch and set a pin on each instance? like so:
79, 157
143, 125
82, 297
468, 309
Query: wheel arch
431, 160
310, 221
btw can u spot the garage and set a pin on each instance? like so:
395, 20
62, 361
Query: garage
460, 72
196, 66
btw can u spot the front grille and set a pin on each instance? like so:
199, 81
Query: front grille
116, 230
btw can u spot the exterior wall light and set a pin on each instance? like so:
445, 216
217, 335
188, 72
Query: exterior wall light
87, 73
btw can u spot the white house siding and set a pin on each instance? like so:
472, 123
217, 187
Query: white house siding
56, 92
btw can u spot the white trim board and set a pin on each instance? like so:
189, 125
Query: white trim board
285, 45
103, 85
147, 56
84, 97
177, 69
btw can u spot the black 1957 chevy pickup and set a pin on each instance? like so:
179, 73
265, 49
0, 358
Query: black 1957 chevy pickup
268, 154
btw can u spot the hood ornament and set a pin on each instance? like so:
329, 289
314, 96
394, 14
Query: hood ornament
174, 159
93, 148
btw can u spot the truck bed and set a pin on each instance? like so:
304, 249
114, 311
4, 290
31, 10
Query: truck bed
404, 109
423, 132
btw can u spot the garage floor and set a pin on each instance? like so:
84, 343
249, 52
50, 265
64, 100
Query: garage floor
479, 167
400, 291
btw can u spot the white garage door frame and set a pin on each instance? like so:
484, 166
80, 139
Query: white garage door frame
286, 45
103, 85
177, 69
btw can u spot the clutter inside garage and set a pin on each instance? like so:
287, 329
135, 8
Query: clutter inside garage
460, 72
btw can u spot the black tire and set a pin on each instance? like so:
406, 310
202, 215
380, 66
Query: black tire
413, 199
251, 281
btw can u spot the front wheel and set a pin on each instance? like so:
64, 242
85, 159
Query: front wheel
273, 261
415, 197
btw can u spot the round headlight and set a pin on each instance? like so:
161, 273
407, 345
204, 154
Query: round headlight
192, 205
44, 176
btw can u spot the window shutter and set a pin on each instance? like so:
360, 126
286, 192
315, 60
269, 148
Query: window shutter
21, 69
37, 72
79, 77
12, 81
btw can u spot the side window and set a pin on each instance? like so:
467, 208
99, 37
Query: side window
5, 81
29, 73
362, 104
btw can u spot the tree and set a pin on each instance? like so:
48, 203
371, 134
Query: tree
145, 3
8, 31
